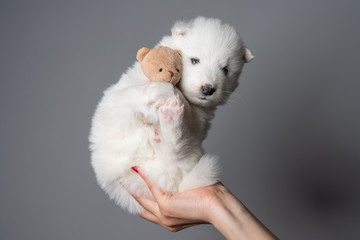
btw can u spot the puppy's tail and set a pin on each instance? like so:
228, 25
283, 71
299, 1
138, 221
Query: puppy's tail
205, 173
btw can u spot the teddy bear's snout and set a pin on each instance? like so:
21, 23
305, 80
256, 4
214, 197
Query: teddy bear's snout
171, 73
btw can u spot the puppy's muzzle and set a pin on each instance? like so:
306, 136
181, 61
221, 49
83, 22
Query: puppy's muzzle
207, 90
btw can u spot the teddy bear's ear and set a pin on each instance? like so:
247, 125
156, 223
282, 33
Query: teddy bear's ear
179, 52
248, 55
180, 28
142, 53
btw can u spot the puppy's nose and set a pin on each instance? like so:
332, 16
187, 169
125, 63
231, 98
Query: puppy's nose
207, 90
171, 73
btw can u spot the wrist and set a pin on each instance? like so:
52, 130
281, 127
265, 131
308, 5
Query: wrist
227, 218
234, 221
226, 213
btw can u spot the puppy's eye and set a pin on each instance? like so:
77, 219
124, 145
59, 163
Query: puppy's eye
195, 61
177, 70
160, 70
225, 70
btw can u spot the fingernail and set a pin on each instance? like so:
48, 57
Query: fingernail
135, 169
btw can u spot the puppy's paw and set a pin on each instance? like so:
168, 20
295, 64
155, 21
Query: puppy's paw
171, 111
158, 93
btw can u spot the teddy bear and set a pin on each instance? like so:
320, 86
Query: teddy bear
161, 64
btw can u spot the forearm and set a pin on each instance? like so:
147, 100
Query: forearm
234, 221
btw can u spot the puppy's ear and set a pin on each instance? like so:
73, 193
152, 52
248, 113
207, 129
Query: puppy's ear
248, 55
180, 28
142, 53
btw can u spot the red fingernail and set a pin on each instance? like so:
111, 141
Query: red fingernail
135, 169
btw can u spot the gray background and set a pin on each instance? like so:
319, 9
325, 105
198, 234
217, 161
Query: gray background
289, 139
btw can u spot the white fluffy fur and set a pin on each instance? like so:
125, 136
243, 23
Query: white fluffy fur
119, 139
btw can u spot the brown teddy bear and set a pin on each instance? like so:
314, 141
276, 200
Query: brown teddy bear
161, 64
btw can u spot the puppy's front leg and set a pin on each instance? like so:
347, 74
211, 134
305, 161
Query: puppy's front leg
171, 116
155, 95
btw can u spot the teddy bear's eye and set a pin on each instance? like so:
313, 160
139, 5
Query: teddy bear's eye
195, 61
225, 70
160, 70
177, 70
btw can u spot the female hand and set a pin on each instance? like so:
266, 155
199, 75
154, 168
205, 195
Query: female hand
179, 211
214, 204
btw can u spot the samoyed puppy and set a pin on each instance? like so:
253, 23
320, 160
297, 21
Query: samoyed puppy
169, 149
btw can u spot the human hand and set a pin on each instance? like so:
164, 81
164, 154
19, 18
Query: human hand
179, 211
213, 204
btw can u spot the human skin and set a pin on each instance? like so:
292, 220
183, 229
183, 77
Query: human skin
213, 204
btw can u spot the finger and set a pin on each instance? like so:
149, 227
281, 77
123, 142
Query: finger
178, 222
148, 204
150, 217
179, 227
155, 190
168, 222
173, 228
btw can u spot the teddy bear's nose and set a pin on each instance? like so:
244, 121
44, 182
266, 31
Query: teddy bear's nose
171, 73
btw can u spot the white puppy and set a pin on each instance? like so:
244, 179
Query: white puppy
169, 150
